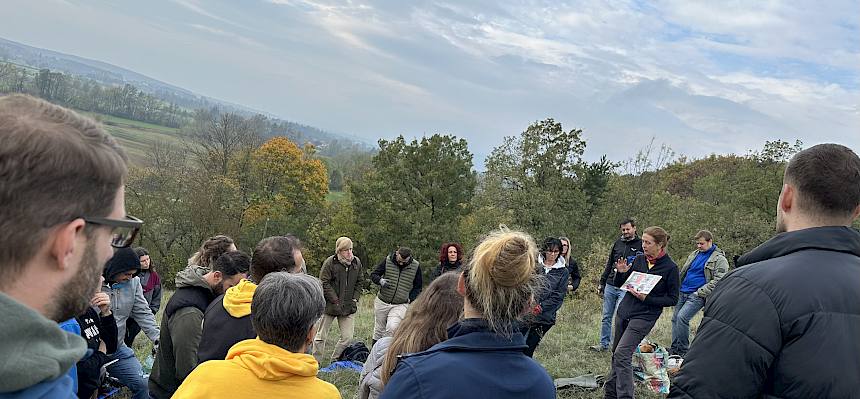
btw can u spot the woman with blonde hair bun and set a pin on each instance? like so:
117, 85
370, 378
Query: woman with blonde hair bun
483, 356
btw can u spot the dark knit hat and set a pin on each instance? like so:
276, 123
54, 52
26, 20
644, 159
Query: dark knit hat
123, 260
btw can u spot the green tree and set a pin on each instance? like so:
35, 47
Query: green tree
536, 180
416, 194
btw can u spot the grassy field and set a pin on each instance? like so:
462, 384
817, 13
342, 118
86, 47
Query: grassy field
564, 351
137, 137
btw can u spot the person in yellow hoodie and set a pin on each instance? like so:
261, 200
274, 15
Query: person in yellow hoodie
284, 311
228, 318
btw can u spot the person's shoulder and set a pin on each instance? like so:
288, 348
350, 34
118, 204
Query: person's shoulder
327, 390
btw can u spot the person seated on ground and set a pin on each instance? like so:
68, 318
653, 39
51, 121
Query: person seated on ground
483, 355
342, 277
228, 318
212, 249
151, 283
572, 266
450, 259
182, 322
98, 327
284, 312
126, 298
551, 295
426, 324
61, 210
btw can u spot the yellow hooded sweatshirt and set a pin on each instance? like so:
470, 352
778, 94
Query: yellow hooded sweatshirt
237, 299
255, 369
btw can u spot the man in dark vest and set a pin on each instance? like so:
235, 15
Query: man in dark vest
182, 323
399, 280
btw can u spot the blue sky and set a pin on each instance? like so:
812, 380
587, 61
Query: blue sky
701, 76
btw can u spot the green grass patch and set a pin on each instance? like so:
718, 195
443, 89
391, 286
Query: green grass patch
137, 137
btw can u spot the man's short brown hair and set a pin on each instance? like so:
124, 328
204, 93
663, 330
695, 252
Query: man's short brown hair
704, 234
55, 166
827, 179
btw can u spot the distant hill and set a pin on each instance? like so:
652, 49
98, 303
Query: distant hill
108, 74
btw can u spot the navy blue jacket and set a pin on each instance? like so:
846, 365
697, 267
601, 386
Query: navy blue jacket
552, 295
473, 363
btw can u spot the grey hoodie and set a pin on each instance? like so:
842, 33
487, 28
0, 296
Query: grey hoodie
33, 349
127, 301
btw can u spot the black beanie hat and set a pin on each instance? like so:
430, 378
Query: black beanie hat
123, 260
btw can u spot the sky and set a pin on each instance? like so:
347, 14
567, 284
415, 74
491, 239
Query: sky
702, 77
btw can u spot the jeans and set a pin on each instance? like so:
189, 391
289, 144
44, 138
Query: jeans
687, 307
628, 334
611, 299
129, 372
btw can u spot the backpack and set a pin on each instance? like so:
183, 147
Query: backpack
356, 352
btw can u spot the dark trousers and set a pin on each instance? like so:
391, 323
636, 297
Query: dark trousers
131, 331
534, 332
628, 334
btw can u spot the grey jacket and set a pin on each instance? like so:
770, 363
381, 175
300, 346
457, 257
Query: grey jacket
715, 268
127, 301
370, 381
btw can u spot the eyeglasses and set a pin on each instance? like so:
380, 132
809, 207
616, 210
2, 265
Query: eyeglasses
124, 230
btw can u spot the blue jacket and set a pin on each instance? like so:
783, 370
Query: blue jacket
473, 363
58, 388
553, 291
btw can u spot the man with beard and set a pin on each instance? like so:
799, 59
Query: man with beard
182, 323
128, 303
63, 207
625, 247
785, 322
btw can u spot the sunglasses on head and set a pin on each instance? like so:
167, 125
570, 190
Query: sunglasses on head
123, 231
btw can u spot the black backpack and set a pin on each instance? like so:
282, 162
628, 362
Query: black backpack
357, 352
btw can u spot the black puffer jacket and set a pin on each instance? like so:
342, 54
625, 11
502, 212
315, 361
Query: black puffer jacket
783, 325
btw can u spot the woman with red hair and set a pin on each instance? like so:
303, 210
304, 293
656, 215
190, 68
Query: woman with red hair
450, 259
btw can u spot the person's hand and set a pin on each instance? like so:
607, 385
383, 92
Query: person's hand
382, 282
600, 290
102, 301
621, 265
632, 291
537, 309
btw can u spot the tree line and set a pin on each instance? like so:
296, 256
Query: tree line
125, 101
229, 178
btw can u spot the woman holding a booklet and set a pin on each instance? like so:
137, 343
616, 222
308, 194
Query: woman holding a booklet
651, 282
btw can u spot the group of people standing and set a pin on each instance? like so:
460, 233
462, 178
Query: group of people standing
782, 324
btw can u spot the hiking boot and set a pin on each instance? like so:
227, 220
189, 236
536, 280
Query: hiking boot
598, 348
